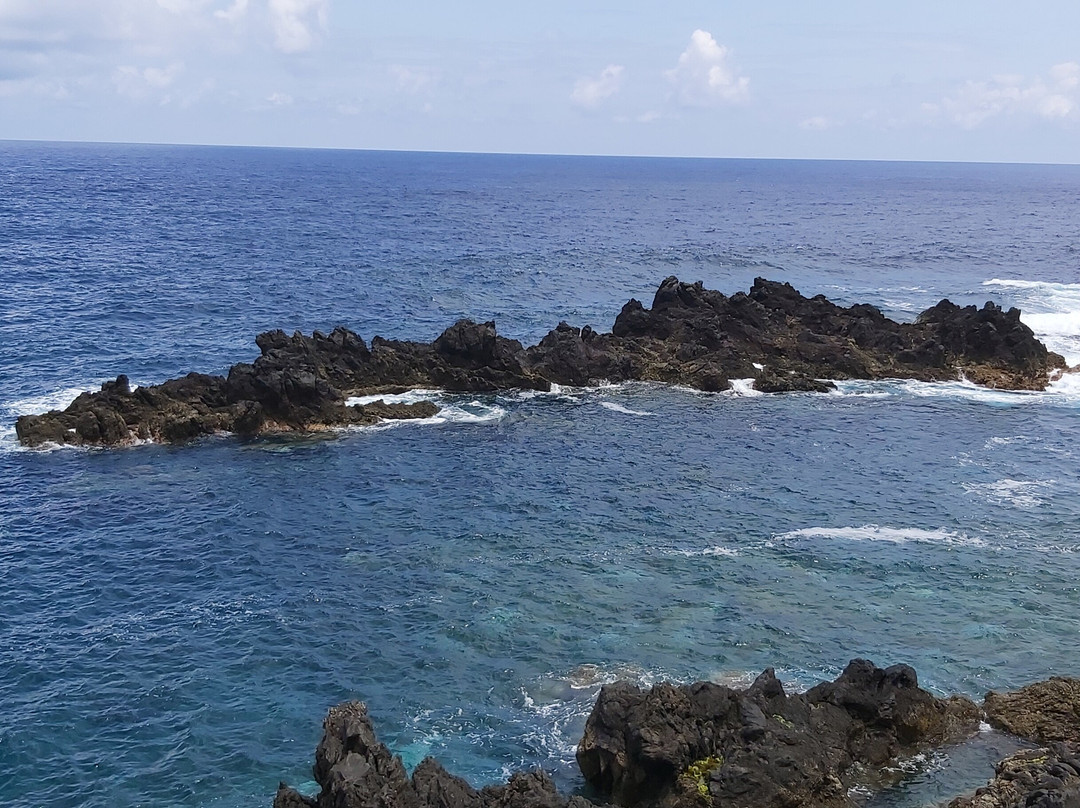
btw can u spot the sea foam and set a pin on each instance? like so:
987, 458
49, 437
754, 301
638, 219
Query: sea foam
878, 533
1023, 494
611, 405
453, 408
1051, 310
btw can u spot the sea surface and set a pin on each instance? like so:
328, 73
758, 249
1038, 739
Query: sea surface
176, 620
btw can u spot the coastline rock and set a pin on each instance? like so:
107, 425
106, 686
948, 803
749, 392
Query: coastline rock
706, 744
675, 745
354, 770
1043, 712
1032, 778
773, 335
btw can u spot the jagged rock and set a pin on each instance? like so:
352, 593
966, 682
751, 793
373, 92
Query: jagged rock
703, 744
1043, 712
354, 770
706, 744
1032, 778
691, 335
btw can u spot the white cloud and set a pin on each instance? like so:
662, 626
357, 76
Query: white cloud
280, 99
817, 123
234, 12
1055, 97
589, 92
148, 82
412, 80
705, 76
292, 21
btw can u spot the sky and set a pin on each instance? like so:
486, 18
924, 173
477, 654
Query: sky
942, 80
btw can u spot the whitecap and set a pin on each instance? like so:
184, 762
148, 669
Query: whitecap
611, 405
744, 388
1051, 310
877, 533
453, 408
1015, 493
717, 550
407, 397
1062, 392
47, 402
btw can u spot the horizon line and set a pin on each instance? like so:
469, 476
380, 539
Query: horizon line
266, 146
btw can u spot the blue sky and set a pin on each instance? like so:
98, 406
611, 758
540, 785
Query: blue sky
944, 80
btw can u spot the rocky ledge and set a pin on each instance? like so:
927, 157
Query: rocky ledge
704, 744
691, 336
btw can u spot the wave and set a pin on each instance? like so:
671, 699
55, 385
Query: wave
611, 405
46, 402
1051, 310
1062, 392
877, 533
744, 388
453, 409
1023, 494
717, 550
33, 405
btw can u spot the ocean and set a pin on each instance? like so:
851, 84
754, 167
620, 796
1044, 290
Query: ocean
175, 620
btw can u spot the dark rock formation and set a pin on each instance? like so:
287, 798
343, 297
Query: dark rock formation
1043, 712
691, 745
1033, 778
1048, 713
706, 744
354, 770
691, 335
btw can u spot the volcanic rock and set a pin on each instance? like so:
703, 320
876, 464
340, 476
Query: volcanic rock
354, 770
1032, 778
1043, 712
693, 336
707, 744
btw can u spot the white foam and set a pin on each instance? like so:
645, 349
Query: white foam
744, 388
1051, 310
611, 405
718, 550
408, 397
453, 409
877, 533
1062, 392
1015, 493
35, 405
46, 402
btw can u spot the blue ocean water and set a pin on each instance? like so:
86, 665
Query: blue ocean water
174, 621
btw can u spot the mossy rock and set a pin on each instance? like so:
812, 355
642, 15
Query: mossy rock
695, 777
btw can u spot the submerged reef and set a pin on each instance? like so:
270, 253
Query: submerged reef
691, 336
705, 745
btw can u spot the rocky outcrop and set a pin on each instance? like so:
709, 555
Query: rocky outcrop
1032, 778
1043, 712
706, 744
693, 336
1048, 777
675, 745
354, 770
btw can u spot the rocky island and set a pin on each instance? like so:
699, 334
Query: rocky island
705, 745
692, 336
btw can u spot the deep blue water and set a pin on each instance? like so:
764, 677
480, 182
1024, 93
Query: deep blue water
174, 622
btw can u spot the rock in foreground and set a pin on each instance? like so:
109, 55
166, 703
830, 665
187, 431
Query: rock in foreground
1033, 778
705, 744
691, 336
691, 745
354, 770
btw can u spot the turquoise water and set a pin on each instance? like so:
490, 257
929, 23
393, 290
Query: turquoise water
174, 621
